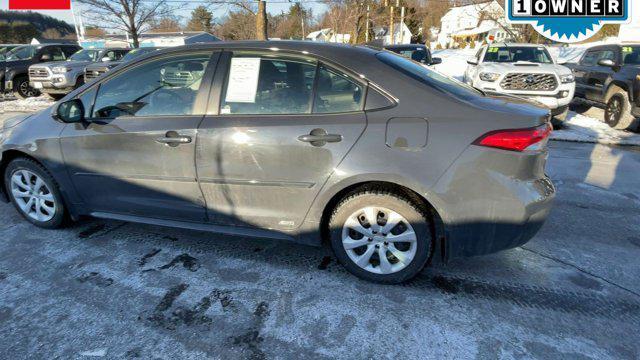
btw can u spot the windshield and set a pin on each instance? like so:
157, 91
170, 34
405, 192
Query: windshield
631, 55
21, 53
136, 52
84, 55
428, 77
507, 54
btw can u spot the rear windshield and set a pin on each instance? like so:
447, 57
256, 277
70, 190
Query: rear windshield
429, 77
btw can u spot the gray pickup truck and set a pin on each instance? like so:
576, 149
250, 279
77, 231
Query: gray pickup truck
60, 78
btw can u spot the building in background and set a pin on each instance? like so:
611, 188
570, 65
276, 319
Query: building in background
401, 34
328, 35
476, 23
149, 39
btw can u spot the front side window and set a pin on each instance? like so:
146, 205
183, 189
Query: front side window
55, 54
166, 86
262, 85
508, 54
590, 58
607, 55
336, 93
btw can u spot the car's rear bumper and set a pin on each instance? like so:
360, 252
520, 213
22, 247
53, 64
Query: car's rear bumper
493, 200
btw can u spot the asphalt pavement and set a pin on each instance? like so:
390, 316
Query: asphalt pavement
120, 290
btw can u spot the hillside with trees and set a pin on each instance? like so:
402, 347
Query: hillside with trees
20, 27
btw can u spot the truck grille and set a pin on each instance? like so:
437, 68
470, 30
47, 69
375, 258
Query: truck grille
529, 82
92, 74
38, 73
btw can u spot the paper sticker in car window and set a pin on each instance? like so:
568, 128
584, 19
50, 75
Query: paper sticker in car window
242, 85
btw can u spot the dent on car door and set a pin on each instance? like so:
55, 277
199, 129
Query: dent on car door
135, 154
263, 154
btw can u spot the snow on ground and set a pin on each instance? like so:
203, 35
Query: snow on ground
11, 104
580, 128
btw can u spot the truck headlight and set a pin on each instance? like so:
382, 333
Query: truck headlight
491, 77
59, 69
567, 79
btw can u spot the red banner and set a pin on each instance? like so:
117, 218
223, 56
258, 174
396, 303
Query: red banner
39, 4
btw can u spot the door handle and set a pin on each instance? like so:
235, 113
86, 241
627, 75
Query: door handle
172, 138
319, 137
330, 138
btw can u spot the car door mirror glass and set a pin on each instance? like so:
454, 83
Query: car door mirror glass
607, 63
45, 57
70, 111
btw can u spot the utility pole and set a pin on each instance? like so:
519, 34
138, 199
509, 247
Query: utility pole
261, 21
402, 24
302, 18
391, 30
366, 26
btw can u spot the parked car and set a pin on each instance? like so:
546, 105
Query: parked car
18, 62
389, 162
4, 49
93, 71
415, 52
58, 79
608, 77
523, 70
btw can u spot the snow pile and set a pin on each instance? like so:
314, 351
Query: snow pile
580, 128
454, 62
9, 104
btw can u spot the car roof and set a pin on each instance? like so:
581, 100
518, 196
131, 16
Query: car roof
400, 46
517, 45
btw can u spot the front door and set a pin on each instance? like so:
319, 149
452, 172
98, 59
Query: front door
285, 124
135, 155
599, 76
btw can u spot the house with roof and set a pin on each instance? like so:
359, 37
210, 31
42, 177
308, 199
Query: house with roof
479, 23
328, 35
401, 34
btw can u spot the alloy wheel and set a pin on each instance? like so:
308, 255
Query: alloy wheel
33, 196
379, 240
614, 111
26, 90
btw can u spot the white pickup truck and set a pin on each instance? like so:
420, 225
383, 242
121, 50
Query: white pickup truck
523, 70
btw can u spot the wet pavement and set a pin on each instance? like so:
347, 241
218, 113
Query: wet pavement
120, 290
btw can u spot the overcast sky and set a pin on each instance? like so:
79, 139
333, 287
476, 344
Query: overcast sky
184, 12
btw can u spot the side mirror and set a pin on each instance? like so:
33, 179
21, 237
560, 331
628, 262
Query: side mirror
106, 58
607, 63
45, 57
71, 111
472, 62
436, 61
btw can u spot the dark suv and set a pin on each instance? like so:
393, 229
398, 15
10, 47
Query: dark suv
415, 52
608, 77
4, 50
16, 77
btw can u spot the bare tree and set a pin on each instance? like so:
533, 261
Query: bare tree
257, 8
132, 16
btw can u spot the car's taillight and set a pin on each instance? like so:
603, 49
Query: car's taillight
517, 139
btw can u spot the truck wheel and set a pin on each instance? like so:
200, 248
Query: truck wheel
22, 90
618, 111
558, 119
580, 108
380, 236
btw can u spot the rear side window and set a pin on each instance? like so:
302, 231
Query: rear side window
336, 93
428, 77
260, 85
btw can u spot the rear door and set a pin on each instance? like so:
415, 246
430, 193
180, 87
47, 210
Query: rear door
135, 155
283, 124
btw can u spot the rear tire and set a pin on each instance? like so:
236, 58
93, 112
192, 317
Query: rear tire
22, 90
368, 244
34, 193
618, 111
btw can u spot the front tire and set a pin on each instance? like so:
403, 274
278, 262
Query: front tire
618, 111
22, 90
560, 117
34, 193
380, 236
